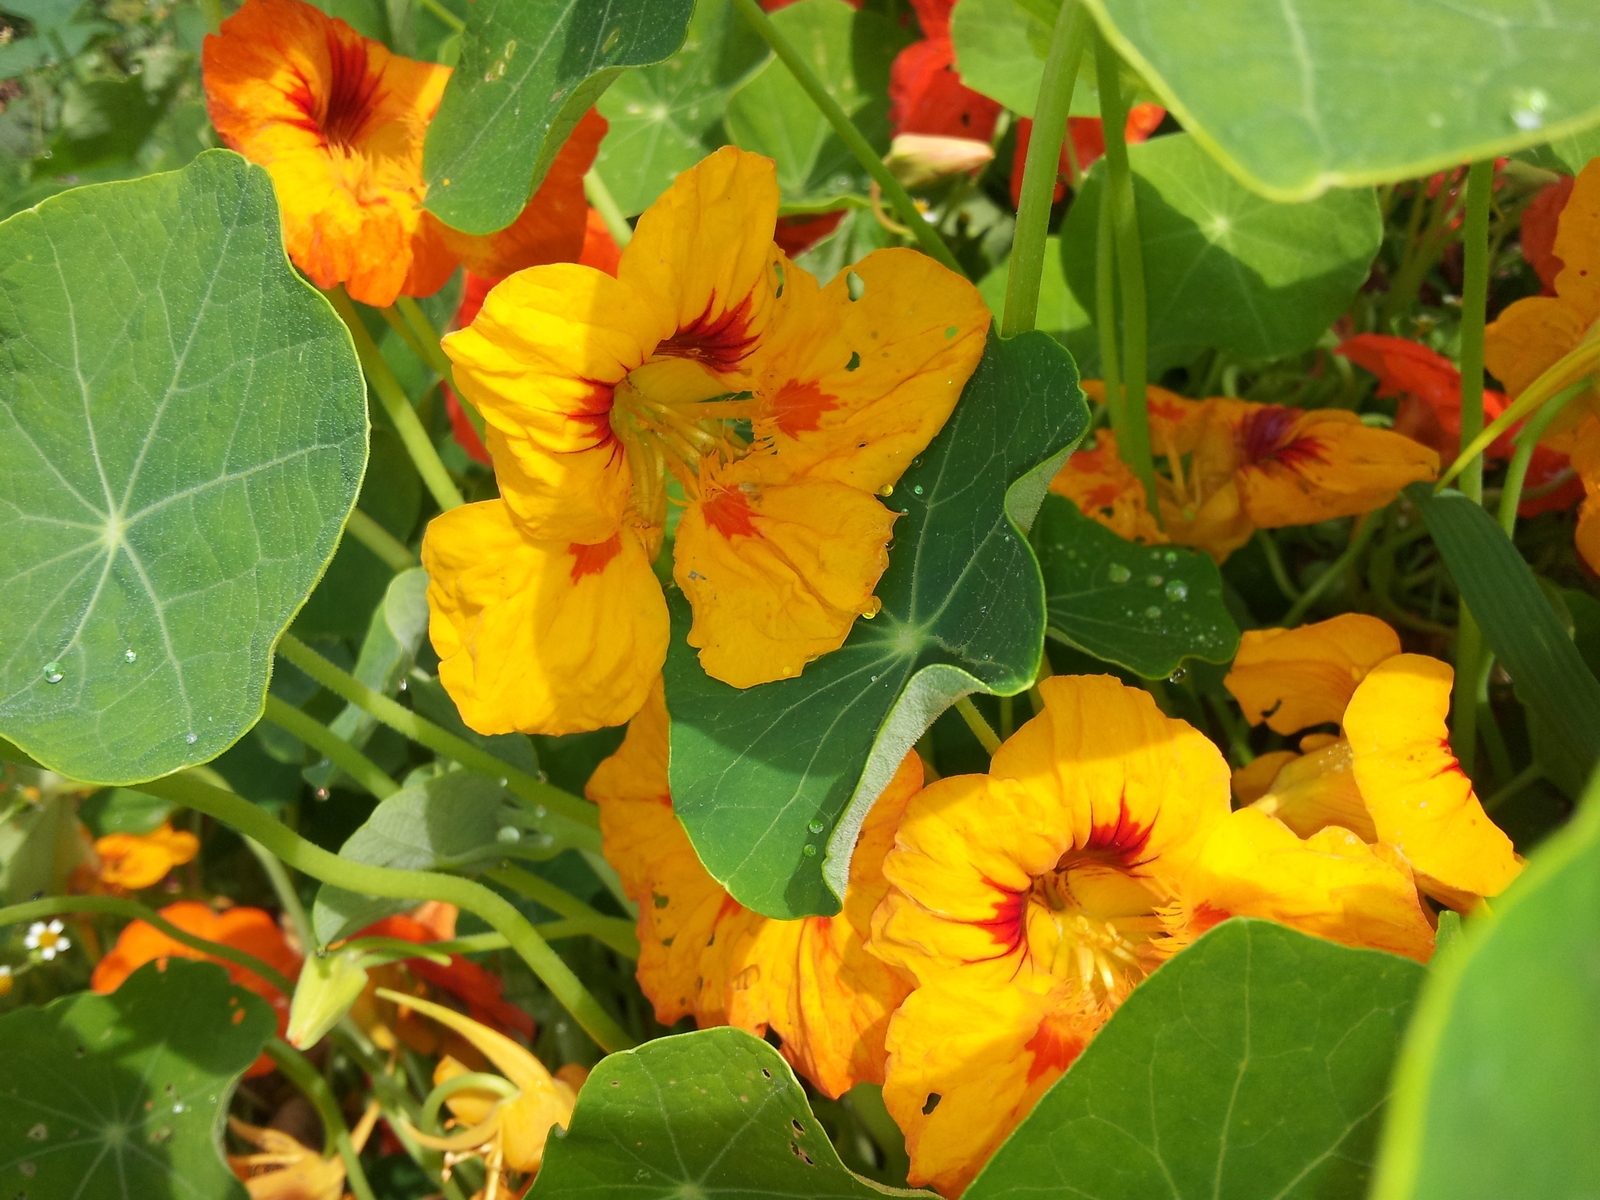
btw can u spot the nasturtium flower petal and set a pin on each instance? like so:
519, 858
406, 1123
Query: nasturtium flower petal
777, 569
1292, 678
140, 860
551, 636
1586, 461
1105, 488
1254, 780
1318, 789
1421, 802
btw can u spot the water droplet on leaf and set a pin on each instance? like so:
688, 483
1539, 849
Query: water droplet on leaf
52, 672
1118, 573
130, 655
191, 738
1179, 675
815, 826
1152, 612
809, 851
1177, 590
1152, 581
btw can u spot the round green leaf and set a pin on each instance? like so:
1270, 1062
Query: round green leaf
716, 1113
182, 434
1495, 1096
1298, 96
1146, 608
766, 778
122, 1097
1253, 1066
1224, 267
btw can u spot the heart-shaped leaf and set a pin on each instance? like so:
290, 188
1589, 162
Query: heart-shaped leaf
712, 1113
1146, 608
182, 434
122, 1097
529, 69
1254, 1064
1298, 96
764, 778
1224, 267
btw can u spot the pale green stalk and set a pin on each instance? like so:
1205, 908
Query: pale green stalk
332, 747
604, 203
396, 555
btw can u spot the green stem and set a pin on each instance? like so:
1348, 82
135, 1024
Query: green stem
1340, 567
396, 555
331, 746
212, 11
283, 887
1105, 318
406, 334
604, 203
1464, 696
1280, 573
52, 906
1474, 304
1527, 443
1529, 775
441, 741
387, 882
599, 927
1043, 167
395, 403
479, 1080
1488, 728
335, 1133
608, 930
1134, 437
430, 350
445, 15
927, 236
980, 728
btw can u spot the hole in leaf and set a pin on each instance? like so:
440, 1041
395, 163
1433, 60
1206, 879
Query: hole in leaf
794, 1148
799, 1129
766, 1072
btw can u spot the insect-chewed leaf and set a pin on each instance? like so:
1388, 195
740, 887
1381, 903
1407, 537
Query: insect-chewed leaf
122, 1096
764, 778
529, 70
1146, 608
182, 434
712, 1113
1255, 1063
1297, 97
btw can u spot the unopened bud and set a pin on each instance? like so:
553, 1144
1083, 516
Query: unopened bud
917, 159
329, 984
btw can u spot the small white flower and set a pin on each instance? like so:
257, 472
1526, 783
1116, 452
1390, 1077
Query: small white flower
48, 940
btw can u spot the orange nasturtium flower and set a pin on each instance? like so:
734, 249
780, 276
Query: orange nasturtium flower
141, 860
338, 121
249, 929
702, 953
600, 392
1226, 468
284, 1168
1029, 902
1392, 779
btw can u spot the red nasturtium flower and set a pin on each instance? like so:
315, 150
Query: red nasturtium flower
703, 954
596, 391
1030, 901
249, 929
338, 121
1539, 224
926, 94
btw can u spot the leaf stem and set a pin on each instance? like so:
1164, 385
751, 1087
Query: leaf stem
335, 1133
1340, 566
1133, 439
1464, 696
927, 236
331, 746
603, 202
1474, 303
617, 934
1043, 167
1280, 573
1105, 317
283, 887
445, 15
387, 882
396, 555
51, 906
1527, 443
441, 741
980, 728
431, 351
393, 397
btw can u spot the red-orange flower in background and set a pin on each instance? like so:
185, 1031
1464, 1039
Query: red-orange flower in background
1539, 223
1088, 144
249, 929
703, 954
338, 121
926, 94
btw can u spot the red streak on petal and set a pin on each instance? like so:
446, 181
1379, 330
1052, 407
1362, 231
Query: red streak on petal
1104, 496
591, 560
1205, 918
1053, 1047
728, 512
1262, 436
1124, 839
798, 407
1005, 927
721, 343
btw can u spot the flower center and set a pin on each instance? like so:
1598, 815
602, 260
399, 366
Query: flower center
1092, 925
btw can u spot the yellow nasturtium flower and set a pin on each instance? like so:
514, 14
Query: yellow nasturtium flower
781, 408
1392, 779
1029, 902
703, 954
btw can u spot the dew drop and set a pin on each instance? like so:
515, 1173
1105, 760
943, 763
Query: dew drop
321, 793
1152, 581
1119, 573
508, 835
402, 685
809, 851
886, 490
1528, 107
191, 738
1177, 590
815, 826
1171, 556
916, 490
1179, 675
52, 672
540, 812
1153, 612
130, 655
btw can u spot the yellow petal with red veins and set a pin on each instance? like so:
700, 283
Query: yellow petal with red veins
703, 254
1332, 885
853, 390
1253, 781
1105, 488
1420, 800
1292, 678
541, 362
777, 570
538, 636
338, 122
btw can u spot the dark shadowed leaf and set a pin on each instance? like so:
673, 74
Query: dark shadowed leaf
1253, 1066
1146, 608
528, 71
122, 1097
767, 778
182, 434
